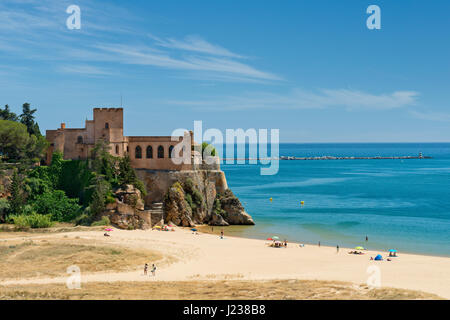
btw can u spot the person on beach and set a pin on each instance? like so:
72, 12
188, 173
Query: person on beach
145, 269
221, 234
319, 243
285, 243
153, 269
337, 249
367, 238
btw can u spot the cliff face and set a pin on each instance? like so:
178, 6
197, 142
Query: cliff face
193, 197
128, 211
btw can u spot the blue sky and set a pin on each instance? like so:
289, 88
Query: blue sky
309, 68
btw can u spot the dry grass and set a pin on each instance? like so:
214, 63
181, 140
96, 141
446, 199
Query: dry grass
223, 290
51, 257
10, 230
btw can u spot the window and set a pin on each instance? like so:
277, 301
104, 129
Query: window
160, 152
138, 153
117, 149
80, 139
149, 152
170, 151
106, 125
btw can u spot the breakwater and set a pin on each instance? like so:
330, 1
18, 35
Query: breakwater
331, 158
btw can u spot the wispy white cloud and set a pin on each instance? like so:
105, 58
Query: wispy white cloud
431, 116
303, 99
84, 69
35, 30
146, 55
194, 43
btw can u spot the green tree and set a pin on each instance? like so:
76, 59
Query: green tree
127, 175
98, 203
14, 139
17, 196
103, 162
27, 118
17, 145
6, 114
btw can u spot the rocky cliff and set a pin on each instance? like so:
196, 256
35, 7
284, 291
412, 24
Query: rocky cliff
128, 210
193, 197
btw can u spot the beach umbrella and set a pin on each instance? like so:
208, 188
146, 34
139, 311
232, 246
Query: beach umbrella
378, 257
108, 229
275, 238
193, 229
157, 227
392, 250
269, 239
360, 248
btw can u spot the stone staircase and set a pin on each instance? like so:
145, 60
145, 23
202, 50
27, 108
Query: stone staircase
157, 213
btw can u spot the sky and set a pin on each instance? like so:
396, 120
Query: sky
311, 69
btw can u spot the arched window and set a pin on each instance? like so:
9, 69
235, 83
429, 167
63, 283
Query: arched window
149, 152
170, 151
80, 139
117, 149
138, 153
160, 152
106, 125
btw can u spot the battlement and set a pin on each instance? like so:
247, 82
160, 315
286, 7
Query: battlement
108, 109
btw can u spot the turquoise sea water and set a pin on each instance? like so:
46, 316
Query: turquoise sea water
401, 204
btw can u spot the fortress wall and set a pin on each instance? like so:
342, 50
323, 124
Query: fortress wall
154, 163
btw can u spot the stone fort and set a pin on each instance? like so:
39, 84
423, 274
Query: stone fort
145, 152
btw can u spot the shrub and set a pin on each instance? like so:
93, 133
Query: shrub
58, 205
104, 221
33, 220
208, 150
4, 207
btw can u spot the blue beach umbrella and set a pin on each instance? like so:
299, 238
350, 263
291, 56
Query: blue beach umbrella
392, 250
193, 229
378, 257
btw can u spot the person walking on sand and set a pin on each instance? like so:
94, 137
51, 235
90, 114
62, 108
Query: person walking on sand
221, 234
145, 269
153, 269
337, 249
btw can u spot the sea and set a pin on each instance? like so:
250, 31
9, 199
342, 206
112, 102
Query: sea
397, 204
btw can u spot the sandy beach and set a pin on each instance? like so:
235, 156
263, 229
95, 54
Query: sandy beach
188, 256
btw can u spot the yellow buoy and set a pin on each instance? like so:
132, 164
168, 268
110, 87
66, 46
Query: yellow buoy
270, 199
302, 202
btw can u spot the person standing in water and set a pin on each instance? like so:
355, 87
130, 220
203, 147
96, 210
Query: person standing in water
153, 269
367, 238
221, 234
